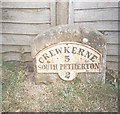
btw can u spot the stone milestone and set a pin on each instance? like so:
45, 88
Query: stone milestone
65, 51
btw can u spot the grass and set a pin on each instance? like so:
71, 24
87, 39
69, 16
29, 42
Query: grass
22, 95
11, 79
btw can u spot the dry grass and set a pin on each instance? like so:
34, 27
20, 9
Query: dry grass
19, 94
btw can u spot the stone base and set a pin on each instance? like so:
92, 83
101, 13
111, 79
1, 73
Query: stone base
46, 78
89, 78
52, 78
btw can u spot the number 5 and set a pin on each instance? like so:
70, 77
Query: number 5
67, 59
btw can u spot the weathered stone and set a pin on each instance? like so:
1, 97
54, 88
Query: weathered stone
67, 50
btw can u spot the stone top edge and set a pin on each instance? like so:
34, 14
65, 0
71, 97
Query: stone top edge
68, 28
68, 33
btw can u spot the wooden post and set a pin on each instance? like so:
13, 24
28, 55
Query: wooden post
62, 12
71, 12
53, 12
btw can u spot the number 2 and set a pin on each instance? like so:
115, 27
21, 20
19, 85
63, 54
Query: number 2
67, 75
